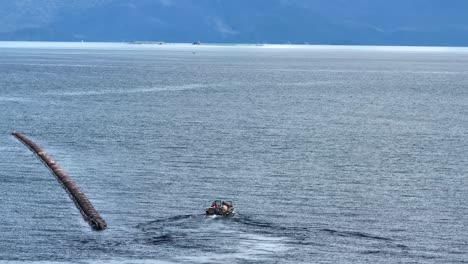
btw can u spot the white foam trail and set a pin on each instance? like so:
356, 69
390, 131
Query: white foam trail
253, 247
262, 245
62, 65
13, 99
137, 90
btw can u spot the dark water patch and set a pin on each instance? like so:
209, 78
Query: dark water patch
265, 225
181, 231
171, 219
110, 246
355, 234
369, 252
246, 220
398, 230
157, 240
401, 246
387, 251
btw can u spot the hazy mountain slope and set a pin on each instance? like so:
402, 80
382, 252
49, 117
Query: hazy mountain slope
397, 22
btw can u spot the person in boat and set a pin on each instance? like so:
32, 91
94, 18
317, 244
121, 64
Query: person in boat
224, 208
214, 208
219, 207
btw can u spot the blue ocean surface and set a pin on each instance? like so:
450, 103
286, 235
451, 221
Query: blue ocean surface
329, 154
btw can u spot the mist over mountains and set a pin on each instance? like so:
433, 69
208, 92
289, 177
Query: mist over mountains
363, 22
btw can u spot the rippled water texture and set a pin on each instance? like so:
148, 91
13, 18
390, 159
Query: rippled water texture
330, 155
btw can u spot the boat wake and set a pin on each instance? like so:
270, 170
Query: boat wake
211, 239
246, 238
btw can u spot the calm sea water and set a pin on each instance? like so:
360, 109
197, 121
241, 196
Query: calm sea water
330, 155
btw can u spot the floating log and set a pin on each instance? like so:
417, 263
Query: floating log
82, 203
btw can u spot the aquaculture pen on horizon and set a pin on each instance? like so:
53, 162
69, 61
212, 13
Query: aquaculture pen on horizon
81, 201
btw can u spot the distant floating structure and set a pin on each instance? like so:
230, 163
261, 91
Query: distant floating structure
147, 42
196, 43
82, 203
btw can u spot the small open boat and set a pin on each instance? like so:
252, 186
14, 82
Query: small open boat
219, 207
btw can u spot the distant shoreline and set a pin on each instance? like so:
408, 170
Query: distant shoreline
160, 44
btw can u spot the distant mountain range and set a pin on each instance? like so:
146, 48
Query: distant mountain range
360, 22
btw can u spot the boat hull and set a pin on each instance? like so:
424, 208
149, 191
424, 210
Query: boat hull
218, 211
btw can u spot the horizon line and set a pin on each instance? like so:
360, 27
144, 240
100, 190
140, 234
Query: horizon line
147, 44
